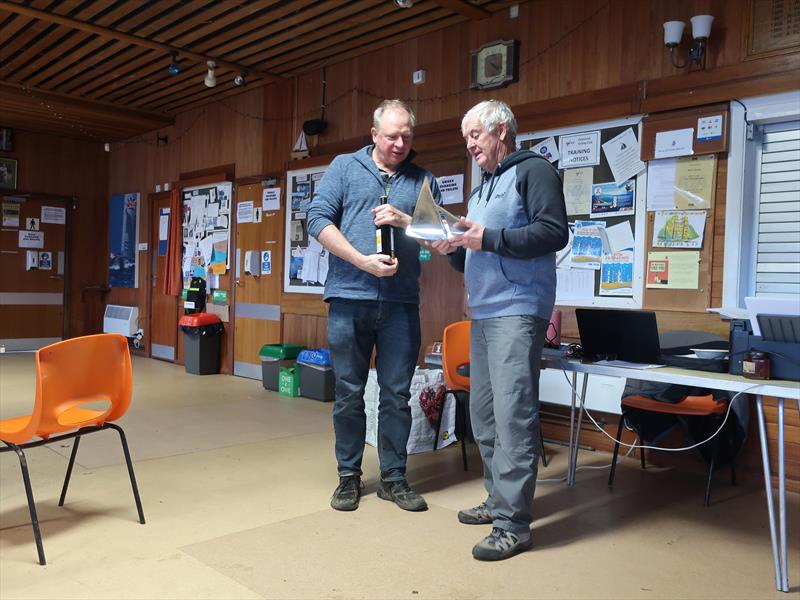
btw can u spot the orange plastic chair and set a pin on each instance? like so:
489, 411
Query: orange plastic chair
94, 368
455, 353
688, 406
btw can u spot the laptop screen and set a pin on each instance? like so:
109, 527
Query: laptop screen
630, 335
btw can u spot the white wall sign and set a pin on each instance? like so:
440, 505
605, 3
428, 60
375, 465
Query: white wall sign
31, 239
579, 149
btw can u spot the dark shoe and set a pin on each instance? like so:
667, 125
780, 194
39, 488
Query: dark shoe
401, 494
347, 493
477, 515
500, 544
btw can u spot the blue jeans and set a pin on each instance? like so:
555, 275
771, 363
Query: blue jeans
355, 327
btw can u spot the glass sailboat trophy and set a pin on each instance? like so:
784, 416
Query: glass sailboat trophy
432, 222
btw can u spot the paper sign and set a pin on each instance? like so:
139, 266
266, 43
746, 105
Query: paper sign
587, 244
622, 154
578, 190
579, 150
673, 270
31, 239
612, 200
452, 188
616, 274
266, 262
678, 142
694, 181
244, 212
10, 214
163, 231
547, 149
709, 128
271, 198
620, 236
574, 285
54, 214
661, 184
45, 261
32, 224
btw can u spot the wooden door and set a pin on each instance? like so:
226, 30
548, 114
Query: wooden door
32, 300
257, 312
440, 284
162, 337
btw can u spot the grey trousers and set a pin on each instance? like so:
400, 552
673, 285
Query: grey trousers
504, 409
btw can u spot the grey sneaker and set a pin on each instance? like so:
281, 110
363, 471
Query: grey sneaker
401, 494
347, 493
477, 515
500, 544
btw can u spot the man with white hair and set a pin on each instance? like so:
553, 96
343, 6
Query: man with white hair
516, 222
374, 298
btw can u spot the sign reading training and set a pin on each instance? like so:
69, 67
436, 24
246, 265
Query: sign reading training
579, 149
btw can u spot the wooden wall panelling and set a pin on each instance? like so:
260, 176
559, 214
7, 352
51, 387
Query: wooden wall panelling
50, 164
685, 119
308, 330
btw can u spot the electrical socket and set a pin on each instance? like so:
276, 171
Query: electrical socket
418, 77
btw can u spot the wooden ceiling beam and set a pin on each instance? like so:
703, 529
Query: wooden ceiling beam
465, 9
124, 37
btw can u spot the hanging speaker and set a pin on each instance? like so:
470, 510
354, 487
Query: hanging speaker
314, 126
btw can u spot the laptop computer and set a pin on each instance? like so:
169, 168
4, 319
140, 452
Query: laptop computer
630, 335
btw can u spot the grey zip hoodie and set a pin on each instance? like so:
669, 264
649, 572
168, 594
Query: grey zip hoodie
521, 205
350, 188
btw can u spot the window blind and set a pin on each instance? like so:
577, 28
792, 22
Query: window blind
778, 236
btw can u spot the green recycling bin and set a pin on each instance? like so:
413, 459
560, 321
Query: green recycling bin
273, 358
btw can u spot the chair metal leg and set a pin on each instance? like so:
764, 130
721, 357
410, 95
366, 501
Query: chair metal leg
37, 536
616, 451
130, 469
69, 470
541, 445
714, 449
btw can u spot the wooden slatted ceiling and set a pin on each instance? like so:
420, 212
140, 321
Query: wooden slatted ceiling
55, 51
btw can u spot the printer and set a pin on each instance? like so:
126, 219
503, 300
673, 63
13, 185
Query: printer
780, 339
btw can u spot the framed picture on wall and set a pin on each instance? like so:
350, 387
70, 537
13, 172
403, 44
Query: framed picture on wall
6, 139
8, 173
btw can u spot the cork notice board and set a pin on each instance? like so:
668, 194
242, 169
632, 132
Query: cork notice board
684, 300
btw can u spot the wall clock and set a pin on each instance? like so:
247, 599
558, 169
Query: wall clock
495, 64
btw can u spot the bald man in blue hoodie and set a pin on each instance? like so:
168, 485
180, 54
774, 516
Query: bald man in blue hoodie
516, 222
374, 299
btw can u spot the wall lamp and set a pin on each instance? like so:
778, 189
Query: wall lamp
701, 29
211, 78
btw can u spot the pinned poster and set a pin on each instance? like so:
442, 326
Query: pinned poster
622, 154
673, 270
579, 149
679, 228
616, 274
547, 149
587, 244
694, 181
45, 261
678, 142
10, 214
163, 231
613, 200
578, 190
266, 262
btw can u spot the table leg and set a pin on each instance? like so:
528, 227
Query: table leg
782, 501
572, 427
578, 429
762, 430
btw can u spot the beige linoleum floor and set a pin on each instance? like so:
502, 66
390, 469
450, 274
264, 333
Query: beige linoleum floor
235, 483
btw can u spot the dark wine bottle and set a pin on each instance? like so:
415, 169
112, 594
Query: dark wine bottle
384, 236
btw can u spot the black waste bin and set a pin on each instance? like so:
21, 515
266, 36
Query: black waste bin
201, 339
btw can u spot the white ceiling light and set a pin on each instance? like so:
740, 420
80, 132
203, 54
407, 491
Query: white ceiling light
211, 78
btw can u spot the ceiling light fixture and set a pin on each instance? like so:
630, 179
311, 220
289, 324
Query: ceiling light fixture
241, 78
701, 30
211, 78
174, 68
